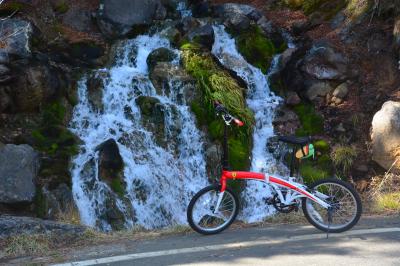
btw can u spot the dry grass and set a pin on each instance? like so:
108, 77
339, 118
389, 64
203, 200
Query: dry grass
69, 216
22, 245
384, 195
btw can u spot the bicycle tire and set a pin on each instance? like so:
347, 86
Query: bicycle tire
193, 202
337, 229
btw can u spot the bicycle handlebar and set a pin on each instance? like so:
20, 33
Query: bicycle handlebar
228, 118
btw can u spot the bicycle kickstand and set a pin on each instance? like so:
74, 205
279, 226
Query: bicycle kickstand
329, 221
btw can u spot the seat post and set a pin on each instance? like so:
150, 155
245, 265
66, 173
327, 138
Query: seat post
292, 162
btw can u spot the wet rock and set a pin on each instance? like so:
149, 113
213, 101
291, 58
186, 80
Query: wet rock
286, 121
58, 203
237, 17
95, 87
153, 118
286, 57
34, 88
16, 36
386, 136
117, 18
341, 91
203, 35
171, 80
324, 63
188, 23
110, 160
5, 75
200, 9
19, 166
6, 102
160, 55
213, 157
161, 12
292, 99
273, 33
13, 225
318, 89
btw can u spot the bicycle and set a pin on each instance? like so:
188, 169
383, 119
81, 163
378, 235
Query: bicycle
331, 205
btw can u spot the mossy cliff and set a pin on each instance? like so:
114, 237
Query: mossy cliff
216, 84
256, 48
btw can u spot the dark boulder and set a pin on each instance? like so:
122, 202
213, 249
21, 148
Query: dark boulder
13, 225
15, 35
203, 35
117, 18
111, 163
325, 63
95, 86
160, 55
19, 165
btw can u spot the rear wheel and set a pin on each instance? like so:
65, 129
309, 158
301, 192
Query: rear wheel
201, 213
346, 206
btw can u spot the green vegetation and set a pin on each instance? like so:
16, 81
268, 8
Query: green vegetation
117, 186
343, 158
52, 137
61, 7
10, 7
327, 8
215, 84
312, 171
321, 146
311, 122
388, 202
256, 48
40, 203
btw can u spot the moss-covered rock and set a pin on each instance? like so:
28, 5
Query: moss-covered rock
311, 122
216, 84
257, 49
160, 55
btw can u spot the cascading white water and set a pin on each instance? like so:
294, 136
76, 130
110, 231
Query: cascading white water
263, 103
160, 180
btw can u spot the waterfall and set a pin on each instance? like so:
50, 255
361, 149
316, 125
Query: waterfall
160, 179
263, 103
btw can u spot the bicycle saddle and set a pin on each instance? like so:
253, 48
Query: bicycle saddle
295, 140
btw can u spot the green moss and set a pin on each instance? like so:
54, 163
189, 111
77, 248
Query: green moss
311, 122
40, 203
117, 186
311, 173
321, 146
216, 129
216, 84
327, 8
238, 154
343, 158
62, 7
256, 48
52, 137
10, 7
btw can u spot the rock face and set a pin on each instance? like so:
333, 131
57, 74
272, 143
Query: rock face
160, 55
19, 165
110, 160
12, 225
15, 36
323, 62
203, 35
116, 18
386, 136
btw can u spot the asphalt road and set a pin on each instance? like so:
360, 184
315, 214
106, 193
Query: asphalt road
375, 241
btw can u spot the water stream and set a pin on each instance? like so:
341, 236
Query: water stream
263, 103
160, 180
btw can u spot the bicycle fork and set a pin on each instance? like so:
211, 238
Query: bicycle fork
219, 200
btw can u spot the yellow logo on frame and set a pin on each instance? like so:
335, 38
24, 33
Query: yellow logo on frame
234, 174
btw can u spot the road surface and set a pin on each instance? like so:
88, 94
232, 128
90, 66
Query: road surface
375, 241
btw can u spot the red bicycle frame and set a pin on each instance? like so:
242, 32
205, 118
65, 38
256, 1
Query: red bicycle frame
297, 190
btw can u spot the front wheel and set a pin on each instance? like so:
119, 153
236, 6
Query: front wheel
345, 206
202, 215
